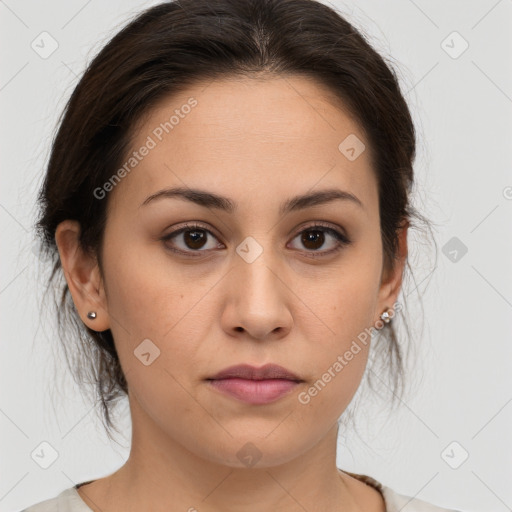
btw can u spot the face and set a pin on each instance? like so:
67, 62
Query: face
194, 285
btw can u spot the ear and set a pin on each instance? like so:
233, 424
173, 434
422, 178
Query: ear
392, 279
83, 276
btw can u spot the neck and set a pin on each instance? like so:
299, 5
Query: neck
161, 474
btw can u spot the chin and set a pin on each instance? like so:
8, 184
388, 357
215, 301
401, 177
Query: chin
257, 451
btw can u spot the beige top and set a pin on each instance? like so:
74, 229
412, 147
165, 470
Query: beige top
70, 501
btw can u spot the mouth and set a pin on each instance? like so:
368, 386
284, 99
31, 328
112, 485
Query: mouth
253, 385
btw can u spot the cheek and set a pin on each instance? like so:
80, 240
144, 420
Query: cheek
155, 310
145, 300
347, 305
339, 363
348, 300
144, 288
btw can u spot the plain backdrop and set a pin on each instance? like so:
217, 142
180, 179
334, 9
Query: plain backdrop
449, 442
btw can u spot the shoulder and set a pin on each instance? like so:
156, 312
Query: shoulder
395, 502
398, 502
68, 500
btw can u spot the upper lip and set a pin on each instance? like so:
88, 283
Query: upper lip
246, 371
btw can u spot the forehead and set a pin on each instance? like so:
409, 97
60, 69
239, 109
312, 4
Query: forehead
252, 136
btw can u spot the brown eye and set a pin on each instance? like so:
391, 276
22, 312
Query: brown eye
194, 239
190, 239
315, 237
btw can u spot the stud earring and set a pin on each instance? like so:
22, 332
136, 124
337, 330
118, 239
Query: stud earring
91, 315
385, 317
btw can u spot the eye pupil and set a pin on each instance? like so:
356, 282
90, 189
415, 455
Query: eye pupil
194, 239
313, 235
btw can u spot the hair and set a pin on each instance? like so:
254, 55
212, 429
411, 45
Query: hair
167, 48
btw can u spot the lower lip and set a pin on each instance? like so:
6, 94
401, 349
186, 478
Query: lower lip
254, 391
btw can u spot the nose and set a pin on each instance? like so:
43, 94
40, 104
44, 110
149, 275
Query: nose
259, 299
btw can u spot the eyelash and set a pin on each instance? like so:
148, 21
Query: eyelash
342, 240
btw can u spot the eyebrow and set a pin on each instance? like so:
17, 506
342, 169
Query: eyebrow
218, 202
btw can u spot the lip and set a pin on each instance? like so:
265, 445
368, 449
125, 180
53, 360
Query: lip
246, 371
253, 385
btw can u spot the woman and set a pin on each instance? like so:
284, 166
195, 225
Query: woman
228, 200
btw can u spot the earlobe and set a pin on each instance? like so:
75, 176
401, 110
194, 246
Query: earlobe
83, 276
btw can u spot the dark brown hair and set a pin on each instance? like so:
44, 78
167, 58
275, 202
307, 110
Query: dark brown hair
163, 50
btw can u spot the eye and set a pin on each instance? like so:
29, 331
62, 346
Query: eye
193, 237
314, 237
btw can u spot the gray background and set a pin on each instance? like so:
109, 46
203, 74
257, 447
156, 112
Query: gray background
461, 389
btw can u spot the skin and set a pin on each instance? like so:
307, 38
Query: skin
259, 142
